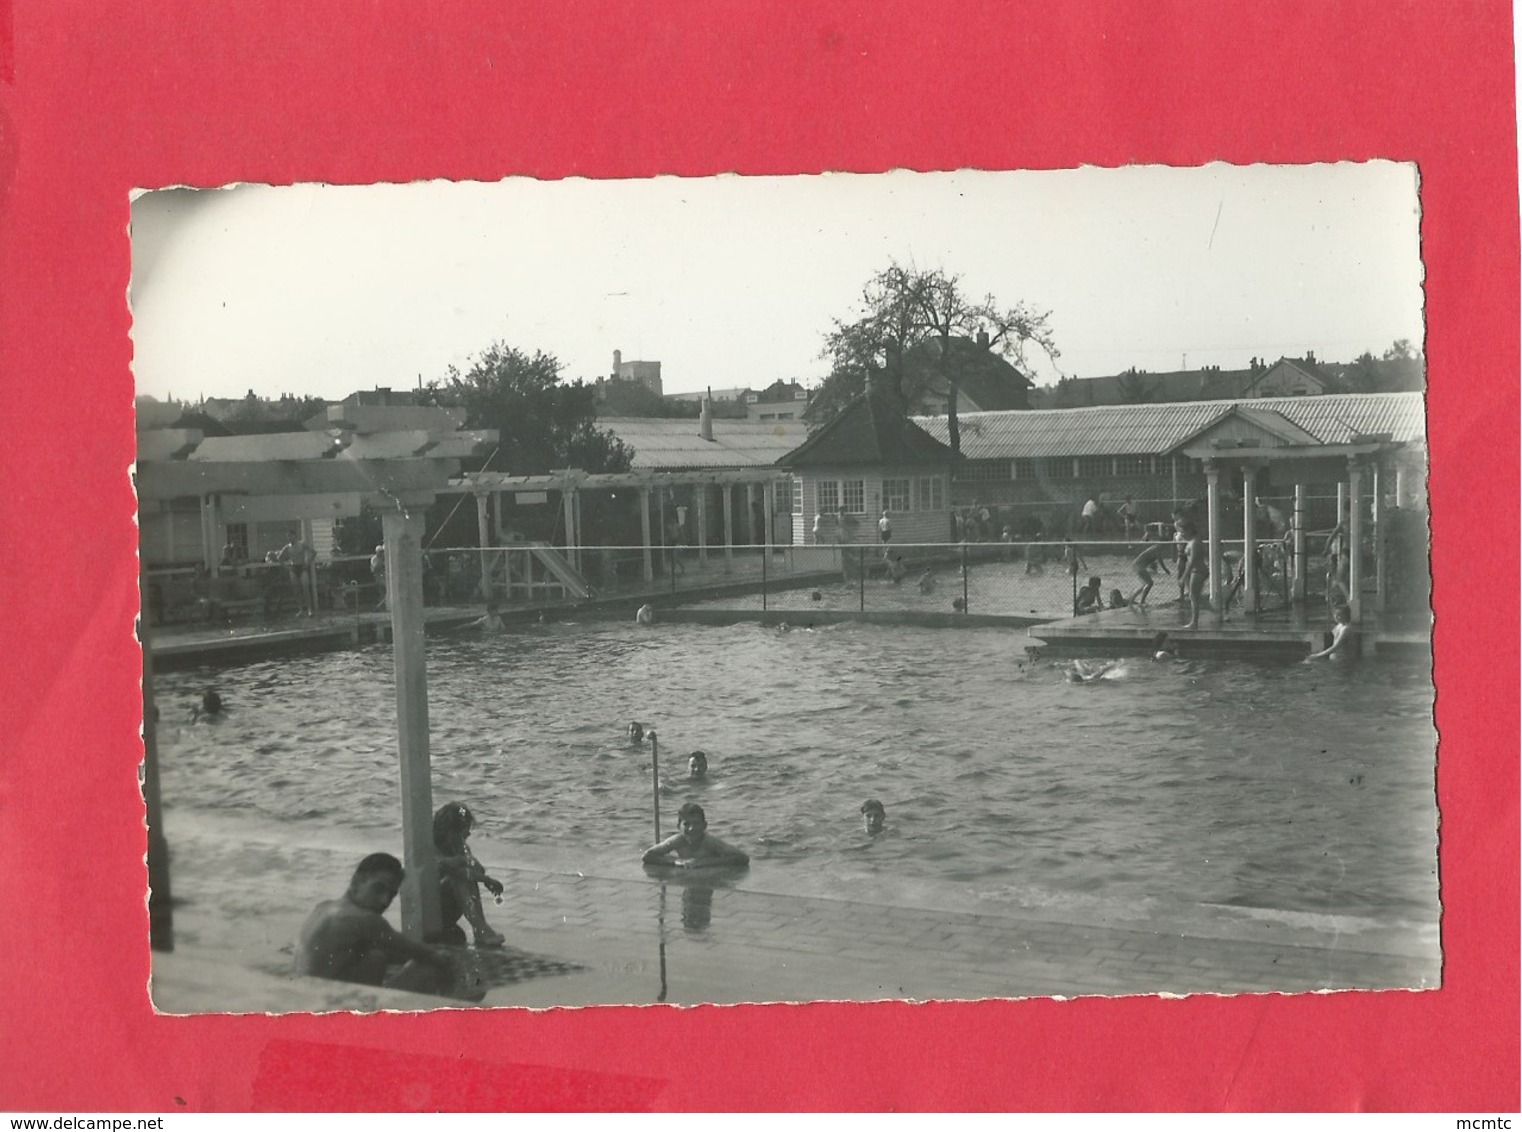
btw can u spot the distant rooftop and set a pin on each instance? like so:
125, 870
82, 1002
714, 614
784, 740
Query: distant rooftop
672, 443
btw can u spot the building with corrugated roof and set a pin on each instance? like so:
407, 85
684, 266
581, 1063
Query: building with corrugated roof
1049, 461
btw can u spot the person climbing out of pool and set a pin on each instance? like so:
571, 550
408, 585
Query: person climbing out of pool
692, 845
1342, 623
927, 581
349, 939
1117, 600
1089, 599
461, 878
697, 766
874, 818
210, 708
1194, 571
1145, 566
636, 733
645, 614
1164, 648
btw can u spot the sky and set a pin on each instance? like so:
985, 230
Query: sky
734, 281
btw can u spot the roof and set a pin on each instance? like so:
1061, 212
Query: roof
869, 430
1119, 430
983, 377
667, 442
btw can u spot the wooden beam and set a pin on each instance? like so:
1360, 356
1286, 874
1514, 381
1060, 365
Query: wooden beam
404, 593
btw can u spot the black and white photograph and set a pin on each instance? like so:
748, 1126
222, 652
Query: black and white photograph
849, 587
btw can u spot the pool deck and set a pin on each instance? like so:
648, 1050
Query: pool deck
642, 940
1293, 631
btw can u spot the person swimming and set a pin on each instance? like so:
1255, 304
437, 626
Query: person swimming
816, 596
1082, 673
873, 817
636, 733
697, 766
210, 707
646, 615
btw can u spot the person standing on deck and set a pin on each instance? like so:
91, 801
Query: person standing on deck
885, 531
1195, 571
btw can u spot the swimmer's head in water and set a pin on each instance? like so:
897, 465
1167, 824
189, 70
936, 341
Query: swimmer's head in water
959, 604
211, 701
693, 823
816, 596
873, 816
697, 765
636, 732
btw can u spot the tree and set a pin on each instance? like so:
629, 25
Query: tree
913, 317
543, 423
1401, 351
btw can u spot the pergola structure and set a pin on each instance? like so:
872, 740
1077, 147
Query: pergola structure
400, 489
1270, 450
489, 489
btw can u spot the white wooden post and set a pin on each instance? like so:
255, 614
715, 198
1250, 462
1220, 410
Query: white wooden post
702, 494
644, 531
404, 592
1355, 539
1249, 540
1379, 541
729, 526
1213, 529
1299, 543
769, 520
1342, 502
484, 535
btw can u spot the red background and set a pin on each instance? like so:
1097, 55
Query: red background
97, 99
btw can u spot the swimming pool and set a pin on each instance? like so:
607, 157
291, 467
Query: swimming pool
1297, 790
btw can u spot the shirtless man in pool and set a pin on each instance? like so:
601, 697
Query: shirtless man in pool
349, 939
693, 846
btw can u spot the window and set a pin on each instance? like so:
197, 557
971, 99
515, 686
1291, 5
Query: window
854, 496
896, 495
1022, 469
984, 471
1095, 466
829, 496
1133, 465
237, 538
928, 494
797, 495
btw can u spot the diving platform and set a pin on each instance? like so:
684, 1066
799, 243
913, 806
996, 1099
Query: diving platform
1287, 633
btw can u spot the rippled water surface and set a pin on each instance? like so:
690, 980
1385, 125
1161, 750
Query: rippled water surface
1306, 789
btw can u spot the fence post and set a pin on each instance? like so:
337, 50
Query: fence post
861, 577
764, 557
1073, 573
964, 578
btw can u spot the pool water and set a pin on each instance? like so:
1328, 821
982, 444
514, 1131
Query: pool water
1305, 790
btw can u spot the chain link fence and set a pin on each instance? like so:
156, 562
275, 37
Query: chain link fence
1041, 579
